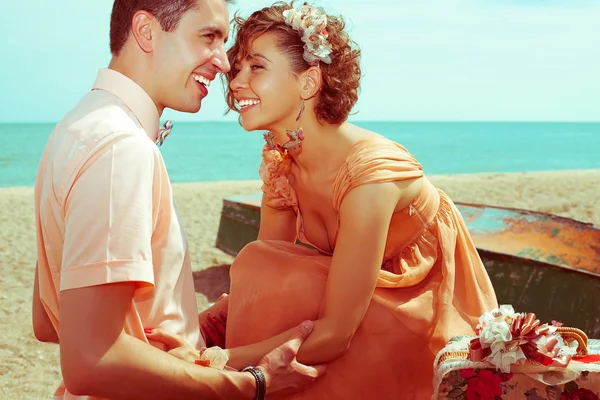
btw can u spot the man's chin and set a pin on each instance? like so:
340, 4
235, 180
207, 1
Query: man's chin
189, 108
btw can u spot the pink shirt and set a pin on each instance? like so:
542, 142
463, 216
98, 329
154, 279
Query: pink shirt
105, 212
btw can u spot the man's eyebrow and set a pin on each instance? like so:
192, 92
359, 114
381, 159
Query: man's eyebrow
214, 30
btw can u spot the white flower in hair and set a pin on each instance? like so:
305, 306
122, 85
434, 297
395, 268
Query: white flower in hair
311, 24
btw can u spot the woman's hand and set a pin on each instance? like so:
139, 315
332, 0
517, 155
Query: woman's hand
174, 345
213, 322
214, 328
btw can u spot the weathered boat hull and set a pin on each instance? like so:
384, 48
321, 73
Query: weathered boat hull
240, 220
537, 262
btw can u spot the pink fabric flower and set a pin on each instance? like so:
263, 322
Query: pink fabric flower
276, 188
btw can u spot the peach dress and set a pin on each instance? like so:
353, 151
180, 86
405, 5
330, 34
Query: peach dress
432, 285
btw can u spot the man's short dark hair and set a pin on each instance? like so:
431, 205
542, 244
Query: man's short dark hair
167, 12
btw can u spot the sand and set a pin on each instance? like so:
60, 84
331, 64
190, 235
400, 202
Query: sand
30, 370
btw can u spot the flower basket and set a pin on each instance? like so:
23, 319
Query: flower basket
514, 356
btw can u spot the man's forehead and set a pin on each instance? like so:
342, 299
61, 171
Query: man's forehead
213, 10
212, 14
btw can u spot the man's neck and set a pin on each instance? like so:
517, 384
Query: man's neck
130, 68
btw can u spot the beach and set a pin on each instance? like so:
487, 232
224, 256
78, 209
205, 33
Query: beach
30, 370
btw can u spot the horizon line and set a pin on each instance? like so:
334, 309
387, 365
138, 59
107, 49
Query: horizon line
360, 120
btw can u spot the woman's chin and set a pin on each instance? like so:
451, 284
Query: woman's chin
250, 126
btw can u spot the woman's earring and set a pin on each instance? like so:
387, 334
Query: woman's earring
296, 136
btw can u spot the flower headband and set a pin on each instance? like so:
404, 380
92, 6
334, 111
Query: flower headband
311, 24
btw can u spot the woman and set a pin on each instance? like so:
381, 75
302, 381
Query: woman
387, 269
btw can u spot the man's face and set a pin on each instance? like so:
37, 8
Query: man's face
188, 58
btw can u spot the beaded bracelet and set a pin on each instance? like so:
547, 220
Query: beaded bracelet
261, 382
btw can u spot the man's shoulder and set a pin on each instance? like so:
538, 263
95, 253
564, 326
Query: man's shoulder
99, 114
100, 122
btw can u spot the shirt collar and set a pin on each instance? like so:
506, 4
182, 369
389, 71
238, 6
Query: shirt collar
134, 97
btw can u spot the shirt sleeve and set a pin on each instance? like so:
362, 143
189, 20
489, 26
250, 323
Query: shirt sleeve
109, 213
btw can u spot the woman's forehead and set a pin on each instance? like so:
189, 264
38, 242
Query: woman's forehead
260, 46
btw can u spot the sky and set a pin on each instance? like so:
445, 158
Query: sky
422, 60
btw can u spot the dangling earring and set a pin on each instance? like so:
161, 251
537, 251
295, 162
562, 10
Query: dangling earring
296, 136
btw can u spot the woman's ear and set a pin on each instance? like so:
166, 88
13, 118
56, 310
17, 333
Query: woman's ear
311, 83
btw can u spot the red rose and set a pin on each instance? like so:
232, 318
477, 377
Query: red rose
485, 386
467, 373
579, 394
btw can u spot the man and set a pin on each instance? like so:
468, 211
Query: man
112, 257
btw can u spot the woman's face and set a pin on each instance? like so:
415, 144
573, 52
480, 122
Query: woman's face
266, 89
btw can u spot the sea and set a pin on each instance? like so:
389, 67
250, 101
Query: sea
223, 151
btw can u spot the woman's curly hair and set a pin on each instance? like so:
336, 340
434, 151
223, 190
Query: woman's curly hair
340, 79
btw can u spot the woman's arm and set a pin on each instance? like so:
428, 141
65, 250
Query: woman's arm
365, 216
241, 357
276, 224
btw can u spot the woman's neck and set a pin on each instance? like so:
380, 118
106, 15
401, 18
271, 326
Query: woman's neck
323, 148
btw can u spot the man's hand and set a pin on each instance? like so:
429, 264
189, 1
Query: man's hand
96, 352
282, 372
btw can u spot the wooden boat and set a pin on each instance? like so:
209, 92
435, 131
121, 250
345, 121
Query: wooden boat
537, 262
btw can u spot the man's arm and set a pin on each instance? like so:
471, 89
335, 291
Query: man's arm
107, 254
98, 358
42, 326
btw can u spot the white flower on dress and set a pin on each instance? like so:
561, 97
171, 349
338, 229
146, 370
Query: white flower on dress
216, 356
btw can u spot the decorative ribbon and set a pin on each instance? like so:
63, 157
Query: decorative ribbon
537, 342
